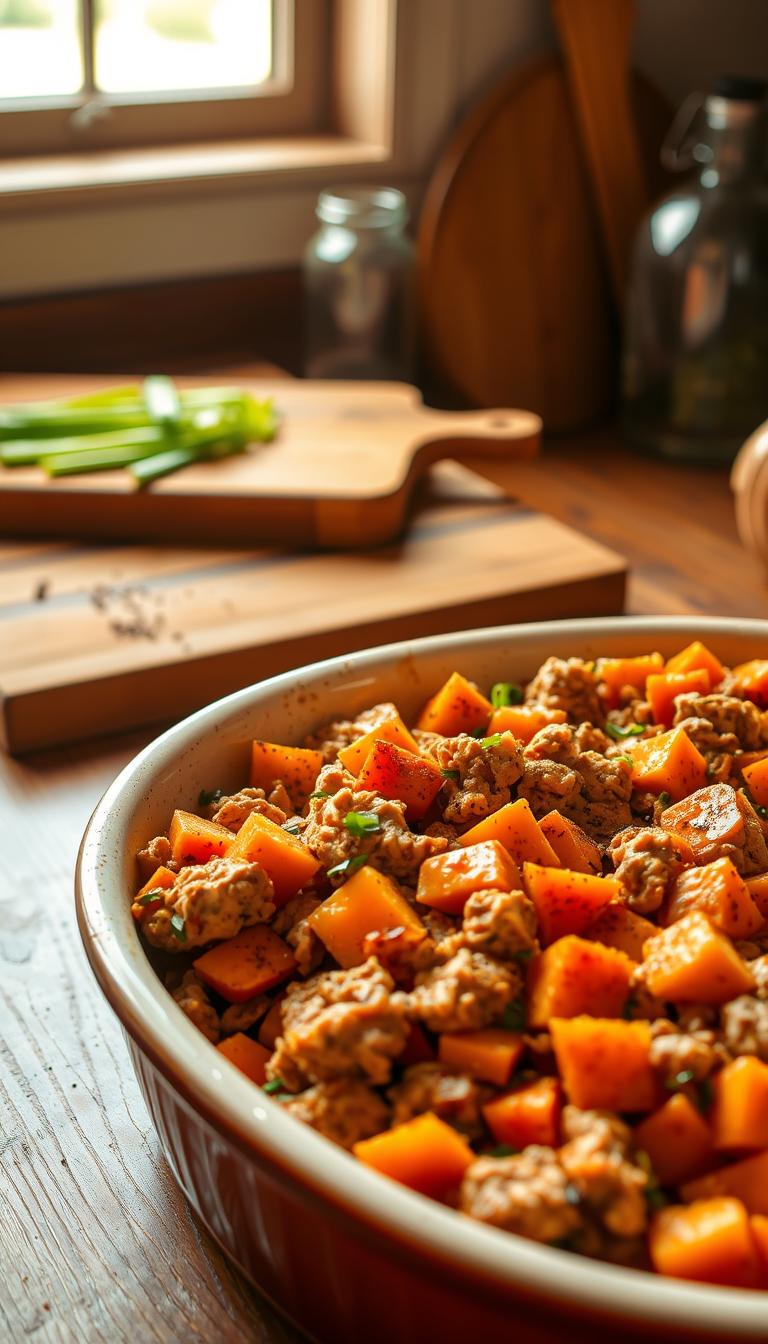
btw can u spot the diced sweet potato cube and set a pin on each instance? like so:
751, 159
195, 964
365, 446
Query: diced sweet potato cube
709, 818
394, 773
746, 1180
717, 890
516, 828
668, 763
393, 730
368, 901
565, 901
739, 1116
662, 687
758, 890
297, 767
530, 1114
756, 777
446, 881
618, 926
489, 1055
697, 655
425, 1154
271, 1026
572, 846
161, 880
246, 1055
751, 679
692, 962
458, 707
709, 1241
249, 964
677, 1139
574, 976
284, 858
196, 840
523, 721
605, 1063
616, 673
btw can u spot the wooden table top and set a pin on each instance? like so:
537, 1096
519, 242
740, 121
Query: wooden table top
96, 1242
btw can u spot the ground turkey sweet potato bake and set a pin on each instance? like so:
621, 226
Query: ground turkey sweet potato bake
514, 956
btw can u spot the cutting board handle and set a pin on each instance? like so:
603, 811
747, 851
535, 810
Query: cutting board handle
499, 432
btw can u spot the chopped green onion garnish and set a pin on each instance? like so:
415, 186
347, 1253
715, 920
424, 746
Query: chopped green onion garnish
680, 1079
275, 1085
628, 759
177, 927
155, 894
506, 693
502, 1150
319, 793
492, 741
292, 826
665, 798
514, 1015
348, 866
478, 732
451, 774
572, 1194
618, 733
207, 796
655, 1197
523, 954
362, 823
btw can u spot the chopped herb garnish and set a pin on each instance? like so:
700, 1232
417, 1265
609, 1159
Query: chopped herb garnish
319, 793
292, 825
275, 1085
705, 1094
348, 866
155, 894
505, 693
655, 1197
451, 774
630, 1007
502, 1150
628, 759
523, 954
177, 927
680, 1079
572, 1194
479, 732
665, 798
618, 733
208, 796
514, 1015
492, 741
362, 823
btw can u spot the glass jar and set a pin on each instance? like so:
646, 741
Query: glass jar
358, 286
695, 379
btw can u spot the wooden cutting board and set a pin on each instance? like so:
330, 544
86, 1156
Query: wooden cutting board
339, 473
94, 639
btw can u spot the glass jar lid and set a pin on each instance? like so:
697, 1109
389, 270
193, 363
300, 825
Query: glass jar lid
362, 207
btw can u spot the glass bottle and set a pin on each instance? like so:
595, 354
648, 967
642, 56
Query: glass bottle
358, 278
695, 377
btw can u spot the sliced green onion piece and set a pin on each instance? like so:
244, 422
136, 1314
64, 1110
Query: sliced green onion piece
514, 1015
505, 693
451, 774
161, 398
275, 1085
207, 796
362, 823
492, 741
348, 866
177, 927
152, 895
618, 733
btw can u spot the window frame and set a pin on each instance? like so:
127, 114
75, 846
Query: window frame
294, 100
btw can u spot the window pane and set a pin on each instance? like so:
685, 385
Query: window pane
162, 45
39, 48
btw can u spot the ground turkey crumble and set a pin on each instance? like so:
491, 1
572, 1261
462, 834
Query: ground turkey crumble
340, 1024
648, 861
232, 810
193, 1001
745, 1025
209, 902
529, 1194
467, 992
730, 724
331, 738
568, 684
501, 924
595, 1160
345, 1110
156, 854
479, 778
454, 1097
393, 848
584, 786
292, 923
674, 1052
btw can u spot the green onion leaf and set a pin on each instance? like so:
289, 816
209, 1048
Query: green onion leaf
514, 1015
478, 732
292, 825
155, 894
492, 741
680, 1079
348, 866
572, 1194
207, 796
362, 823
161, 398
618, 733
177, 927
501, 1150
275, 1085
665, 798
319, 793
628, 759
505, 693
451, 774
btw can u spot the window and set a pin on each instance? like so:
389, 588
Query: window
76, 74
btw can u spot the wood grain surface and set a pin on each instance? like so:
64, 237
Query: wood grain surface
95, 1242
